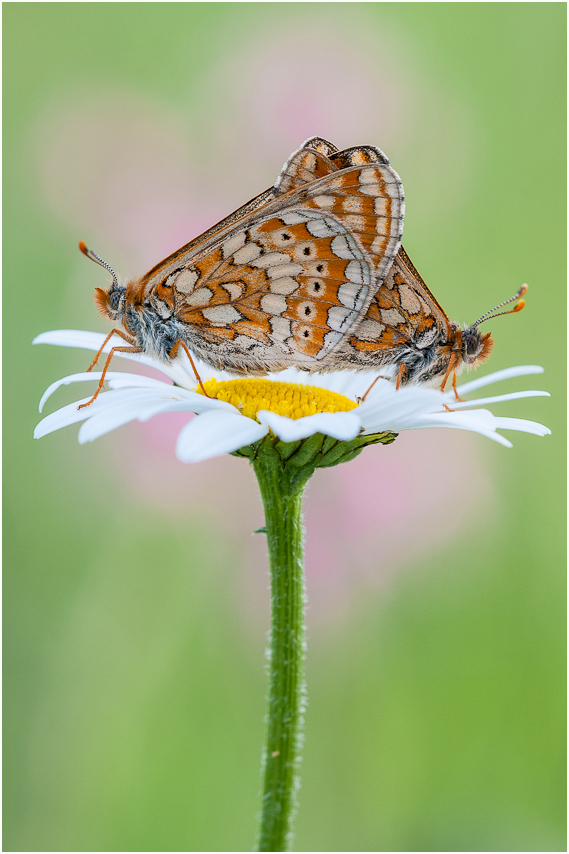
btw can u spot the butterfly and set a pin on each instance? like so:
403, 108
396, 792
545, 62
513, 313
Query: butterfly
311, 274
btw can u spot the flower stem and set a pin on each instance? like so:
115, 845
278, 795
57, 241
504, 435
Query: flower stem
283, 469
281, 492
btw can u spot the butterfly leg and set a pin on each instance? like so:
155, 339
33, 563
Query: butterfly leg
451, 364
123, 335
400, 374
456, 394
380, 377
180, 343
107, 363
452, 361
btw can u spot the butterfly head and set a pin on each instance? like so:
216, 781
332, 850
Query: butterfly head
110, 303
475, 347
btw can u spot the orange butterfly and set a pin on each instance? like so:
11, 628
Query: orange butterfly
311, 274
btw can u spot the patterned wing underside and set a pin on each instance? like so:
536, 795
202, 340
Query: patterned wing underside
315, 159
287, 288
321, 146
303, 167
285, 291
402, 312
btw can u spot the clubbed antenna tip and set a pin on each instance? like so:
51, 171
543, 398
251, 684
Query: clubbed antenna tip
98, 260
518, 307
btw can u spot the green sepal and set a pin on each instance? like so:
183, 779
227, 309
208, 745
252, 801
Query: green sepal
248, 452
328, 443
317, 451
335, 452
285, 450
307, 452
342, 453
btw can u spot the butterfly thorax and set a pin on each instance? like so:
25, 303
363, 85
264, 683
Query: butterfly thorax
149, 319
463, 347
450, 353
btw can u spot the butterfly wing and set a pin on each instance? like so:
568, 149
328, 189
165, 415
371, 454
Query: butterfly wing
283, 283
402, 314
284, 292
305, 171
368, 221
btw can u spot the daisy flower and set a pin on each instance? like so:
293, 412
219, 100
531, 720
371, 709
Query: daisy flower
292, 404
287, 424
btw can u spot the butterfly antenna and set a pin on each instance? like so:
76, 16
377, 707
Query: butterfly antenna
94, 257
518, 307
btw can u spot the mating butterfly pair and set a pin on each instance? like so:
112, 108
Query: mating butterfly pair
311, 274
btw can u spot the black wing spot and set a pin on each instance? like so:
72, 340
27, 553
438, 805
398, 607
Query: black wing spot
316, 286
306, 333
285, 236
306, 250
320, 268
307, 310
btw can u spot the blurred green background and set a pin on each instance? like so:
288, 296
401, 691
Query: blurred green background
135, 598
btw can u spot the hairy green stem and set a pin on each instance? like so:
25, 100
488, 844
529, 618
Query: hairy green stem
281, 492
282, 469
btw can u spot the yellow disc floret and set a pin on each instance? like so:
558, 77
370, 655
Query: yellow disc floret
294, 401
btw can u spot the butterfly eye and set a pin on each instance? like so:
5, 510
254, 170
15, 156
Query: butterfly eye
472, 343
115, 298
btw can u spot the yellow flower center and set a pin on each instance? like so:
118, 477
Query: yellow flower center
294, 401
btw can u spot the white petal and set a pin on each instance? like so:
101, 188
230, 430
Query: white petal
349, 383
477, 417
92, 341
505, 423
377, 387
497, 376
122, 381
71, 338
395, 410
69, 414
514, 395
119, 408
215, 433
180, 370
192, 402
340, 425
482, 422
